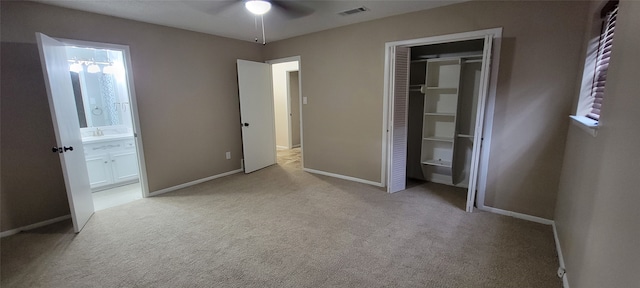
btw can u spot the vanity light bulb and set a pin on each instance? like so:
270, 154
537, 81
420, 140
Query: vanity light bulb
93, 68
109, 69
75, 67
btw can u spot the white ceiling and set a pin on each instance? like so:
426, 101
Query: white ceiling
206, 16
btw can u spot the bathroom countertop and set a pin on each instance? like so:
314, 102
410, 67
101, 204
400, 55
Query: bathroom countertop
95, 139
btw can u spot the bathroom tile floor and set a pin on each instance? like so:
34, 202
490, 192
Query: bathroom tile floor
116, 196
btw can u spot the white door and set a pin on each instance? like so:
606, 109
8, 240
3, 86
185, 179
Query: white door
67, 128
478, 135
398, 129
257, 115
294, 103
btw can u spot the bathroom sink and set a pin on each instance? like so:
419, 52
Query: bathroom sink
93, 139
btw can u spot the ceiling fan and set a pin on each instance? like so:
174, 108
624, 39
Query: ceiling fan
286, 8
283, 8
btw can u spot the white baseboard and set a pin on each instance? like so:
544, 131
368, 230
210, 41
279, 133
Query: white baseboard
565, 281
33, 226
296, 146
343, 177
195, 182
278, 147
516, 215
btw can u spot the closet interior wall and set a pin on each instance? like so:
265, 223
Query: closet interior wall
440, 132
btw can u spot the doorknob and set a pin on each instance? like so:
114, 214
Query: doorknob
61, 149
246, 124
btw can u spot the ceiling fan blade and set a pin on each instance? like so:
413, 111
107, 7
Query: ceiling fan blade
213, 7
291, 9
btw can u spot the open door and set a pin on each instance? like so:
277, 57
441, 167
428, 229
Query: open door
478, 135
67, 129
257, 115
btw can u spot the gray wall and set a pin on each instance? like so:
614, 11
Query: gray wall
540, 59
187, 96
597, 213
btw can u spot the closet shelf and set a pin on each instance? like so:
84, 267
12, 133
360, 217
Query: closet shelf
438, 162
441, 88
435, 138
440, 114
465, 136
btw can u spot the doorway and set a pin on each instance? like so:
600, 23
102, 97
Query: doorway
103, 103
286, 99
257, 90
440, 131
116, 149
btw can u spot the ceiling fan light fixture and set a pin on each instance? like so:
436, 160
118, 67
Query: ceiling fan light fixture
258, 7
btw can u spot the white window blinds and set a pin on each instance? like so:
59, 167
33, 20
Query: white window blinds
602, 63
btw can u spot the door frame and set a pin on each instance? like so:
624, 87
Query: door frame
132, 99
487, 130
291, 59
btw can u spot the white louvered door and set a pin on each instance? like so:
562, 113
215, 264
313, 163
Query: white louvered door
398, 129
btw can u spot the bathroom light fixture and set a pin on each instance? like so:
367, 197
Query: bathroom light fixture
258, 7
76, 67
109, 69
93, 68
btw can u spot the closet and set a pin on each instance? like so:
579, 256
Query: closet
444, 86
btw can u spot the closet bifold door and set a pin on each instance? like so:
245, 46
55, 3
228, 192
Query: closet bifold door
483, 91
470, 72
399, 107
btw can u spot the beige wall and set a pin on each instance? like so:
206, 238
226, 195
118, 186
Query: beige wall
279, 73
597, 213
189, 107
186, 91
343, 77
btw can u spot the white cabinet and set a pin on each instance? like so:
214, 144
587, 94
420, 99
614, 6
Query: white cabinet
124, 165
111, 163
99, 172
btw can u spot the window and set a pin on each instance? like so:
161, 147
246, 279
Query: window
592, 93
602, 62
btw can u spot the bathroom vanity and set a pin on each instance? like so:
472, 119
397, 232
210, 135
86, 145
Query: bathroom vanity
111, 160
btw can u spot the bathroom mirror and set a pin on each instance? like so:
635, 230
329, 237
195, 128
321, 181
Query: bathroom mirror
99, 86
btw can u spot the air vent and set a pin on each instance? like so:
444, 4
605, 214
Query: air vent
354, 11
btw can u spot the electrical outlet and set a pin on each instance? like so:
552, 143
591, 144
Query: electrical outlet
228, 154
304, 100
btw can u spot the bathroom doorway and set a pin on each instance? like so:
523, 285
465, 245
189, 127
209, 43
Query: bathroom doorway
107, 118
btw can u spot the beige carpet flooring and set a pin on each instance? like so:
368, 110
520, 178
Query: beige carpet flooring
282, 227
